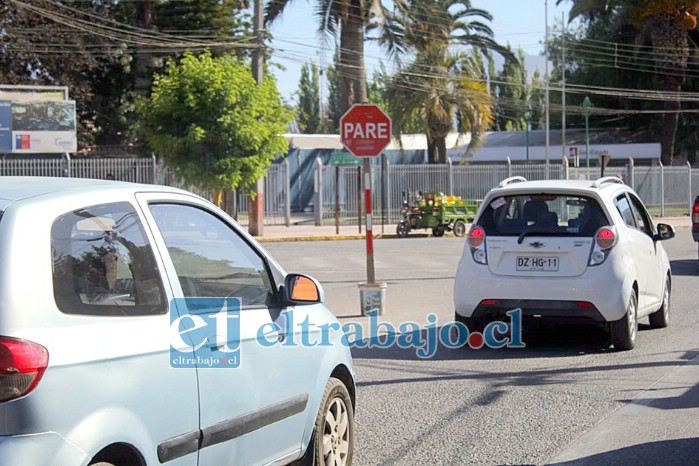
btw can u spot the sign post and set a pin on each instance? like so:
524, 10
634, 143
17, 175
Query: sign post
365, 131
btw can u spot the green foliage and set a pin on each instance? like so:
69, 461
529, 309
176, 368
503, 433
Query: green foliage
441, 87
649, 45
376, 88
333, 111
512, 95
308, 108
210, 121
202, 18
28, 57
537, 102
417, 25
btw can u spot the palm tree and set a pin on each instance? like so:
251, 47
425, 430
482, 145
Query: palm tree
443, 87
414, 25
350, 18
663, 25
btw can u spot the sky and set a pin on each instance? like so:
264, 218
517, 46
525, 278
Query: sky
521, 23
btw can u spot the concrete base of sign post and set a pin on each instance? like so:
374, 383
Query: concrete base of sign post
372, 298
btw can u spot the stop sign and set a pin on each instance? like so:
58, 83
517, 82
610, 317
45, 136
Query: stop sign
365, 130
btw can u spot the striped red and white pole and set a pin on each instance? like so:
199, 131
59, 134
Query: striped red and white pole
369, 233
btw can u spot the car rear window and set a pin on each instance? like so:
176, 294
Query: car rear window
564, 214
103, 263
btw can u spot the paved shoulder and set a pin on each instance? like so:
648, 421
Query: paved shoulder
659, 427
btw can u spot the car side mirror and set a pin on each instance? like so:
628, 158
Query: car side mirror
302, 289
664, 231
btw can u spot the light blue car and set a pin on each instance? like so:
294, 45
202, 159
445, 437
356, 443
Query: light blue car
139, 325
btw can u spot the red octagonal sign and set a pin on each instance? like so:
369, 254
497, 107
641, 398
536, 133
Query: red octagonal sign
365, 130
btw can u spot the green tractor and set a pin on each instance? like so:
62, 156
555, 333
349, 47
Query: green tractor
436, 211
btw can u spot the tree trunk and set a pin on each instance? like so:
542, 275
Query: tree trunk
431, 151
350, 67
441, 143
669, 39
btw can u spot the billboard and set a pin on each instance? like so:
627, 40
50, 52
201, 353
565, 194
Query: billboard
40, 126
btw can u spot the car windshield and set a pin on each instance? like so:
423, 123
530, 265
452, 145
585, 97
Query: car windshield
545, 213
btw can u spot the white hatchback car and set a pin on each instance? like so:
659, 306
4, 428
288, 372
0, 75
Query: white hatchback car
563, 250
140, 325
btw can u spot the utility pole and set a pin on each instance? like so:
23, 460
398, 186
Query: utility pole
256, 205
563, 94
546, 81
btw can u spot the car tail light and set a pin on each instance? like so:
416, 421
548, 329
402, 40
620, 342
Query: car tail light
476, 240
476, 237
22, 363
605, 239
695, 213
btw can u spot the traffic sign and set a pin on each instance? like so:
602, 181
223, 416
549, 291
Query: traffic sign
365, 130
344, 159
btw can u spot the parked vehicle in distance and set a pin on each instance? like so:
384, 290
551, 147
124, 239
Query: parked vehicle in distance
569, 251
435, 211
140, 326
695, 221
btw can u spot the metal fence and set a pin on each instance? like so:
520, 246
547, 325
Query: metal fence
338, 194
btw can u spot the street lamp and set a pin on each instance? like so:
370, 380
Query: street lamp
586, 110
528, 118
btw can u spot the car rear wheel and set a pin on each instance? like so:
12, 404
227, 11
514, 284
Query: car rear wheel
661, 317
438, 231
625, 329
332, 441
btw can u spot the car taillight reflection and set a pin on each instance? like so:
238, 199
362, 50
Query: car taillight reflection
22, 363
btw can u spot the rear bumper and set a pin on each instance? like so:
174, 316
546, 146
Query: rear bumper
560, 311
606, 287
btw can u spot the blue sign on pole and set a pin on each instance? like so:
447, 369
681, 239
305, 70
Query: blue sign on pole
5, 126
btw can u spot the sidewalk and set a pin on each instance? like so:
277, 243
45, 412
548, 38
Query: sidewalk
304, 229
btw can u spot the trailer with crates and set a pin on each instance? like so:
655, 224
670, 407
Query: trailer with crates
437, 212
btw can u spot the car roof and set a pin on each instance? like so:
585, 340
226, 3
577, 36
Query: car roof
520, 184
15, 188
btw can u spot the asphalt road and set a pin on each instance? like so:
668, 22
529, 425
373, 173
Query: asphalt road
567, 398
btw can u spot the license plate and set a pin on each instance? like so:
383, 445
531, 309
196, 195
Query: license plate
537, 264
